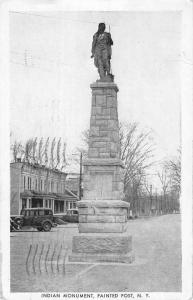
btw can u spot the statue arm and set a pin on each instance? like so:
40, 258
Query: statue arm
93, 45
110, 40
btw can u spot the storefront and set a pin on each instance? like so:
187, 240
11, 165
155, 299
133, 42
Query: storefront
58, 203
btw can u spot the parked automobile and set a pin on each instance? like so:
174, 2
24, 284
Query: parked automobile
71, 215
40, 218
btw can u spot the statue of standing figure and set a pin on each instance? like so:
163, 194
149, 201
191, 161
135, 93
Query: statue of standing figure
101, 51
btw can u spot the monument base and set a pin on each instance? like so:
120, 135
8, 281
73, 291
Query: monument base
103, 214
102, 248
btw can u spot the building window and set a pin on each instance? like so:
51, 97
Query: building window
24, 203
32, 183
46, 203
45, 185
50, 203
57, 185
41, 185
29, 183
36, 184
52, 186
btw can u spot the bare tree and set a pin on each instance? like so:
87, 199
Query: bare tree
34, 150
63, 156
58, 154
52, 158
136, 149
173, 167
84, 148
46, 151
40, 151
165, 184
28, 151
17, 151
136, 152
74, 158
148, 188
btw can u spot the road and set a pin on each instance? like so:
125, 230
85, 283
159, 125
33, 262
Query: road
157, 266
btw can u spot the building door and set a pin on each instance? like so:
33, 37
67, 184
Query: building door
61, 206
56, 205
23, 203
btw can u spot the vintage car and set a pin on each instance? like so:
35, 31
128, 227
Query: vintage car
40, 218
71, 216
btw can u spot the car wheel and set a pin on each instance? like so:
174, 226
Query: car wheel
47, 226
39, 228
18, 222
17, 225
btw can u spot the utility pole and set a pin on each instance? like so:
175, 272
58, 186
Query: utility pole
80, 178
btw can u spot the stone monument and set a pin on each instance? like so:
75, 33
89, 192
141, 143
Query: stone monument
102, 212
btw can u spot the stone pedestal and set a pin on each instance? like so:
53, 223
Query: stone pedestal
102, 213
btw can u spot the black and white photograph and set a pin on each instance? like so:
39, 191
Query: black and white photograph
97, 158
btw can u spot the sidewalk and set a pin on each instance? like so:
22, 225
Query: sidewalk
157, 266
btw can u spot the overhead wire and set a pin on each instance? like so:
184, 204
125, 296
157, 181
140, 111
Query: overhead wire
26, 55
58, 18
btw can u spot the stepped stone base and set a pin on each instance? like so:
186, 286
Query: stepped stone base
94, 258
102, 248
102, 227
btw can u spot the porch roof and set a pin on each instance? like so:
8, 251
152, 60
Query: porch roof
68, 195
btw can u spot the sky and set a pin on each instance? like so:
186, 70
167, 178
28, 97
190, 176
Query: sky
51, 72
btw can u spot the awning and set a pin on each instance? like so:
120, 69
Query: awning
60, 197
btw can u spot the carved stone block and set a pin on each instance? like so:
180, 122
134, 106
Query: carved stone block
101, 244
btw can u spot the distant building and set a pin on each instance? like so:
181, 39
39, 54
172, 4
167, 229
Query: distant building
38, 186
72, 182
